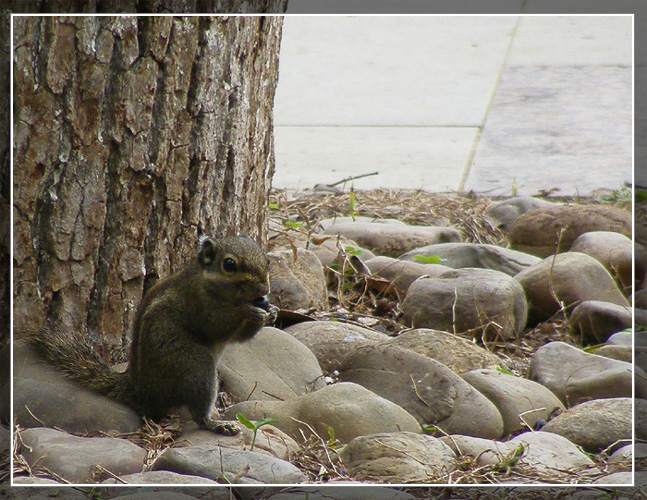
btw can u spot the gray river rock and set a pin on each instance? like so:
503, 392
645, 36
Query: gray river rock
427, 389
595, 425
575, 376
521, 402
272, 365
75, 458
477, 255
230, 466
480, 301
566, 280
398, 457
349, 410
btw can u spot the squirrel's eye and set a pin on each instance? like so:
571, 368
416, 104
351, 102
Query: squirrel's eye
229, 265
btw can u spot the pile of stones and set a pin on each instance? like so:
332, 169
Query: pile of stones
406, 408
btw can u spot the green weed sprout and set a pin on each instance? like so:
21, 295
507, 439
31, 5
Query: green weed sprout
332, 441
428, 259
353, 203
254, 426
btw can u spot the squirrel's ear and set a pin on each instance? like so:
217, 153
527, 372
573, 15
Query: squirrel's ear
207, 251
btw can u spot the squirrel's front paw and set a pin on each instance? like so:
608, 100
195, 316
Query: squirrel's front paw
272, 314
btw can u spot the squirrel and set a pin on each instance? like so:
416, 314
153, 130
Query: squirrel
181, 328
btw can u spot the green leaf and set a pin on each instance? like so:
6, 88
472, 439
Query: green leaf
245, 422
513, 457
331, 438
352, 250
504, 370
590, 349
295, 225
265, 421
274, 206
351, 197
428, 259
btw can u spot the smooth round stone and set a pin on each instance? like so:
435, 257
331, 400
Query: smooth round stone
640, 419
615, 252
343, 490
594, 321
160, 477
269, 440
297, 284
521, 402
332, 341
551, 453
619, 352
271, 365
477, 255
566, 280
387, 238
42, 394
402, 273
595, 425
482, 302
625, 478
624, 338
398, 457
350, 410
545, 453
428, 390
575, 376
228, 465
548, 230
327, 249
503, 213
622, 454
456, 353
73, 457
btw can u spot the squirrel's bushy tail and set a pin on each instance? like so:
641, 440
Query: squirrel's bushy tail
75, 356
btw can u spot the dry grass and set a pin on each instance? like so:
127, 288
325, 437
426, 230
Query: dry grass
354, 296
515, 471
319, 461
412, 207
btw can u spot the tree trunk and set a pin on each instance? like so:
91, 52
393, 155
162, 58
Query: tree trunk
150, 6
133, 136
5, 184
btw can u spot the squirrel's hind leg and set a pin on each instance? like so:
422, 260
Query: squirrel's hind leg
201, 400
201, 413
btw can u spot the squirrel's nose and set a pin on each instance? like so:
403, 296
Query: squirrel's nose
262, 303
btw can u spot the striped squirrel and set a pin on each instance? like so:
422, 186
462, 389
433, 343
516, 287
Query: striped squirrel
181, 328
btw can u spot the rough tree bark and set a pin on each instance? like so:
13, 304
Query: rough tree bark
132, 136
149, 6
5, 184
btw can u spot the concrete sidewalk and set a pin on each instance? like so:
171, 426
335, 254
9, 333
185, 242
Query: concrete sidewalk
494, 104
